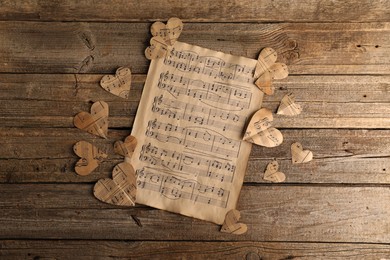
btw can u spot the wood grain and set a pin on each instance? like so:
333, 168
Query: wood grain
87, 249
272, 213
341, 156
53, 55
307, 48
199, 11
328, 101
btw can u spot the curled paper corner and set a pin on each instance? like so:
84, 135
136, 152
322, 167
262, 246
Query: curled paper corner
121, 189
260, 130
273, 174
169, 32
118, 84
126, 148
267, 70
90, 157
96, 122
298, 155
231, 224
288, 106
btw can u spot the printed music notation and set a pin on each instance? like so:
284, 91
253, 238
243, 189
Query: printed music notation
174, 188
213, 94
199, 115
211, 66
190, 157
187, 163
195, 138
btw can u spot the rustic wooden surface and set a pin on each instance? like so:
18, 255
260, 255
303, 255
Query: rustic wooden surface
52, 56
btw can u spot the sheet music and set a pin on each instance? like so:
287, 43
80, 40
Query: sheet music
190, 158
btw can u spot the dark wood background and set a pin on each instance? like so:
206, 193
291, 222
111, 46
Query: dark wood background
52, 56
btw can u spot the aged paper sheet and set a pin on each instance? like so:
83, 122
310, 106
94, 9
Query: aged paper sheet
190, 158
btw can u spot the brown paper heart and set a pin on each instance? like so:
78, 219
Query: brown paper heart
288, 106
127, 147
169, 32
95, 122
260, 132
298, 155
267, 70
121, 189
272, 173
91, 157
157, 49
231, 225
119, 84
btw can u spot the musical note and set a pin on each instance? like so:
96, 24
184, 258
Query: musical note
190, 121
175, 188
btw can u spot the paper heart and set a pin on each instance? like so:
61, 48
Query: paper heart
259, 130
91, 157
272, 173
231, 225
298, 155
95, 122
169, 32
157, 49
127, 147
119, 84
288, 106
121, 189
267, 70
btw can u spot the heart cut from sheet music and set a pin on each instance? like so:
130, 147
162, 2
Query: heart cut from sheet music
267, 70
91, 157
288, 106
169, 32
96, 122
157, 49
231, 224
260, 132
126, 148
273, 174
121, 189
119, 84
298, 155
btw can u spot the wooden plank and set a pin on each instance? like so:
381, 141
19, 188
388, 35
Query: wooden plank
272, 213
87, 249
328, 101
308, 48
340, 156
200, 11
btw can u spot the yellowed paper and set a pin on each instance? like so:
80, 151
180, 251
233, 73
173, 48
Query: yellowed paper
121, 189
190, 158
96, 122
273, 174
231, 224
288, 106
298, 155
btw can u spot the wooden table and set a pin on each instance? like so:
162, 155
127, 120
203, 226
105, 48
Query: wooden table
52, 56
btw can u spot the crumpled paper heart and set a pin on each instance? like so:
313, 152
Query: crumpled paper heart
126, 148
231, 225
95, 122
121, 189
288, 106
267, 70
272, 173
298, 155
157, 49
91, 157
119, 84
169, 32
260, 132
